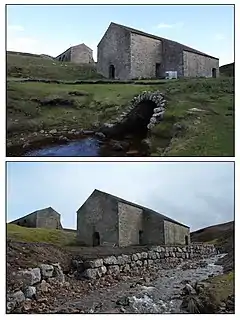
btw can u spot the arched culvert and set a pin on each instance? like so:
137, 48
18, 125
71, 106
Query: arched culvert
145, 111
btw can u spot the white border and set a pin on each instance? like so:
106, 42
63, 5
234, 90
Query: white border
2, 155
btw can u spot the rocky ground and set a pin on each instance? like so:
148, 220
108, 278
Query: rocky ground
156, 290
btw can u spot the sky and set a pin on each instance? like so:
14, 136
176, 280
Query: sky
51, 29
198, 194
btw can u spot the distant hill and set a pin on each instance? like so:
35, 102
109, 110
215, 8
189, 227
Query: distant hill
227, 69
213, 233
28, 65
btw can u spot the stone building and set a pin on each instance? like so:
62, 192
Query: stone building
108, 220
81, 54
126, 53
45, 218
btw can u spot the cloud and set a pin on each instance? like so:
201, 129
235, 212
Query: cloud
169, 26
219, 37
16, 28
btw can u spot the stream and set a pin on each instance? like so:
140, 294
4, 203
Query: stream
159, 295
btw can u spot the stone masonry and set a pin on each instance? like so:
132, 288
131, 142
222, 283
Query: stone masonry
154, 257
107, 220
78, 54
45, 218
126, 53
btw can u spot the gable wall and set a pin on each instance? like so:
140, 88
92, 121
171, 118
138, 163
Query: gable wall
98, 214
114, 49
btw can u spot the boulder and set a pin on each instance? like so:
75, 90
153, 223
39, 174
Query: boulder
93, 263
113, 269
91, 273
46, 270
29, 277
58, 273
30, 292
110, 260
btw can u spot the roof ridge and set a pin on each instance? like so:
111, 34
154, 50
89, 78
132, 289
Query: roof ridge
141, 207
185, 48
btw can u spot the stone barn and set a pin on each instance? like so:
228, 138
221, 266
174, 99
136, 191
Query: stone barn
81, 54
108, 220
45, 218
126, 53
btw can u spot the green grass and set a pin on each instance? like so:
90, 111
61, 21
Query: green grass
207, 133
30, 66
56, 237
222, 286
99, 103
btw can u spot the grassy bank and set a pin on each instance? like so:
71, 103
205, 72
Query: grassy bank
206, 131
38, 235
39, 67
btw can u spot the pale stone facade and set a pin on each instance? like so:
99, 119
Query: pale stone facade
126, 53
108, 220
80, 54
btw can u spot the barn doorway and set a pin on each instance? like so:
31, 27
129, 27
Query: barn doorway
186, 241
96, 239
140, 235
111, 72
157, 70
214, 72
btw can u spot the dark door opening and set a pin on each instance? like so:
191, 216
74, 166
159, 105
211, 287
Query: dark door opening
96, 239
214, 72
186, 240
111, 71
157, 71
140, 233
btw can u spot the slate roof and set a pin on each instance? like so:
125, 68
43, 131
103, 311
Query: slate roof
141, 33
141, 207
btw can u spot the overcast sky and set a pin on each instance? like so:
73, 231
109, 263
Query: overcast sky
197, 194
51, 29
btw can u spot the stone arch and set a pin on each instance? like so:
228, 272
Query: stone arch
145, 111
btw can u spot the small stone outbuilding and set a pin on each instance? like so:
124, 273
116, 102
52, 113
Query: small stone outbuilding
45, 218
126, 53
105, 219
81, 54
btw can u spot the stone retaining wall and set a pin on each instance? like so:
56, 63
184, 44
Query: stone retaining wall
157, 256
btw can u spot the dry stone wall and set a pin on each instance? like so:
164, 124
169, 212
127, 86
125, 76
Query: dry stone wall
157, 256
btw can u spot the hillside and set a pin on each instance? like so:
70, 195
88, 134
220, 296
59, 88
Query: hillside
222, 235
228, 70
26, 65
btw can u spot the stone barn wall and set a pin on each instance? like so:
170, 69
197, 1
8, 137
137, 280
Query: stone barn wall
49, 219
153, 232
195, 65
98, 214
65, 56
172, 57
114, 49
145, 54
130, 223
29, 221
175, 233
82, 54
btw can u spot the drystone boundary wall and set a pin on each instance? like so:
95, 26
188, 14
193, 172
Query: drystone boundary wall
32, 281
156, 257
131, 112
